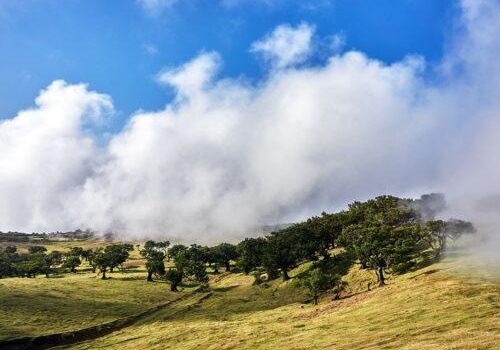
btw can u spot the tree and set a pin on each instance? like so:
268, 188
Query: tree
71, 262
6, 262
53, 259
174, 277
36, 249
163, 246
429, 205
318, 281
224, 253
102, 261
250, 252
90, 256
77, 251
212, 258
118, 254
191, 262
438, 232
280, 254
384, 233
10, 249
175, 250
154, 260
31, 264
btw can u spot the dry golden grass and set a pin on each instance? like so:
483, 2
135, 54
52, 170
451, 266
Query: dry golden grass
66, 302
431, 308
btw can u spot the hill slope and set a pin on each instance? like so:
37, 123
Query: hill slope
432, 308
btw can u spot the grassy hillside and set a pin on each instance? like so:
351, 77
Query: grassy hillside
36, 306
431, 308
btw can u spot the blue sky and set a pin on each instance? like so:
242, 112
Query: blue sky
118, 46
202, 119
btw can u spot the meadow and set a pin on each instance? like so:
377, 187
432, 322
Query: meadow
435, 307
432, 308
67, 301
377, 276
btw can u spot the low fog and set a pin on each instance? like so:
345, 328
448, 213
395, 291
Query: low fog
227, 156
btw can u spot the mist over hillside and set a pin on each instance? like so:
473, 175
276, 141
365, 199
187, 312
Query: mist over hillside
227, 154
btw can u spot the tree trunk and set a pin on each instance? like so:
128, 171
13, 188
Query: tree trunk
381, 278
150, 276
93, 269
111, 269
285, 275
173, 287
103, 277
315, 300
228, 266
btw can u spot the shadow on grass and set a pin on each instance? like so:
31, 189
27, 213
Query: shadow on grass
224, 289
130, 278
427, 258
339, 264
236, 300
426, 273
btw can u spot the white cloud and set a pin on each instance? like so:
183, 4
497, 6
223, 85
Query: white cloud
225, 156
286, 45
336, 42
192, 76
46, 154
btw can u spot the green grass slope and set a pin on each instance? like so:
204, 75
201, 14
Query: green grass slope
432, 308
38, 306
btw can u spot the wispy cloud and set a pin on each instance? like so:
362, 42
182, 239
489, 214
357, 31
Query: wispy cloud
286, 45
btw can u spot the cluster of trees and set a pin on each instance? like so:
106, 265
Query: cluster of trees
108, 258
187, 262
386, 234
38, 261
35, 262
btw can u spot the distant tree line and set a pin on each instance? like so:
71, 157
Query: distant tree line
37, 261
13, 236
386, 234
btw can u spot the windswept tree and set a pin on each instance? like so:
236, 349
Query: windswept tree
250, 253
438, 232
385, 234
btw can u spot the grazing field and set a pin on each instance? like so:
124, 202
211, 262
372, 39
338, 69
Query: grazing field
430, 308
37, 306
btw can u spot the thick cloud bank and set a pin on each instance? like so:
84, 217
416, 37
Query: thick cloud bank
226, 156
